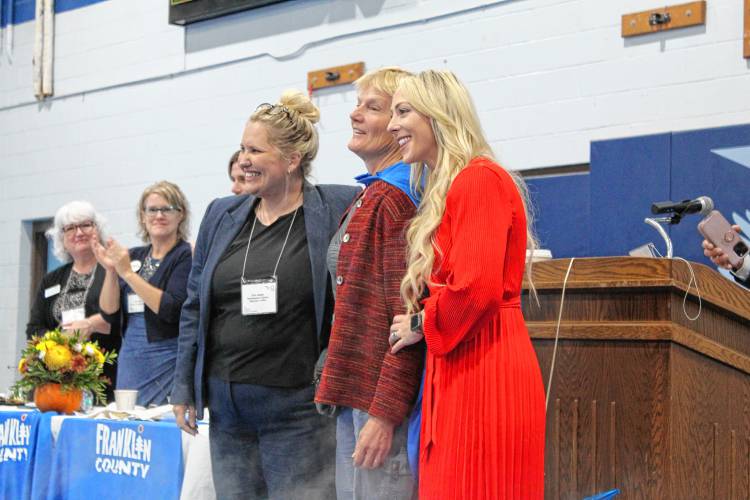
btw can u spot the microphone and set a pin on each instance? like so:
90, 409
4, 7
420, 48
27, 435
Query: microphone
702, 205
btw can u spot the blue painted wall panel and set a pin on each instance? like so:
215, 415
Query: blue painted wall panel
562, 213
20, 12
23, 10
698, 170
626, 176
602, 213
4, 12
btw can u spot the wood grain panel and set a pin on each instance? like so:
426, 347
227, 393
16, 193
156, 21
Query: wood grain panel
643, 331
708, 401
645, 400
337, 75
594, 447
597, 370
574, 458
612, 443
680, 16
607, 273
556, 452
714, 323
630, 304
732, 465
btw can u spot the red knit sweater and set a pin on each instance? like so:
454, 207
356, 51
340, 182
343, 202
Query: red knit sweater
360, 371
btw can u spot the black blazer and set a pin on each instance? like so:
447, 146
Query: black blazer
171, 279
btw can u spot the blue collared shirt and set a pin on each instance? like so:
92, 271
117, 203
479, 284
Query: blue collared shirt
398, 175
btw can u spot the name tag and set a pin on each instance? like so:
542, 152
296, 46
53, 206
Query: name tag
51, 291
135, 304
72, 315
259, 296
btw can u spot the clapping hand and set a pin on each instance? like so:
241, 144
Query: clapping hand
112, 255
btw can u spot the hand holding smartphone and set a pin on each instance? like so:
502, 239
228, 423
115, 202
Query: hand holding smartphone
716, 229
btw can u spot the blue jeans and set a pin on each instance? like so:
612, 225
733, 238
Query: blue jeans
390, 481
268, 439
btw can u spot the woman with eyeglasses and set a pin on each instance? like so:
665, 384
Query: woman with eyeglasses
258, 314
68, 297
146, 287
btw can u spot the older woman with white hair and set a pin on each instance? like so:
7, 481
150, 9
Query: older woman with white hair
68, 297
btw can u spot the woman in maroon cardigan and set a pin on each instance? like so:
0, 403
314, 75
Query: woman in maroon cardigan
372, 389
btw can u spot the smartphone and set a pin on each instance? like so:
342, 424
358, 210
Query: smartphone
716, 229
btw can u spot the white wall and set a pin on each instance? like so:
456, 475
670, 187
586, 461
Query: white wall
137, 100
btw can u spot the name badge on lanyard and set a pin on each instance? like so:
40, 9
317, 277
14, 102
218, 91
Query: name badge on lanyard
72, 315
51, 291
259, 296
135, 304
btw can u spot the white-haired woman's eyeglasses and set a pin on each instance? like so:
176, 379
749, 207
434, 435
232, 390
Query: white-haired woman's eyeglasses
85, 227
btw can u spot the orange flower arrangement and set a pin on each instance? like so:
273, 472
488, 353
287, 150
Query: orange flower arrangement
57, 358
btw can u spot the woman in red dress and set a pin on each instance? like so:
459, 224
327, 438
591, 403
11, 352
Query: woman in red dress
483, 415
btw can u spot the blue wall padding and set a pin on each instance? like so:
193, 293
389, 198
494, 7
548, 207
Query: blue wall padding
697, 171
23, 10
561, 204
602, 213
626, 176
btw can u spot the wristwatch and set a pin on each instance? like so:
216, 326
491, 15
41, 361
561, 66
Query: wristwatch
415, 325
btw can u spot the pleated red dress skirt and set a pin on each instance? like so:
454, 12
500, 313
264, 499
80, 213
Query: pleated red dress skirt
483, 416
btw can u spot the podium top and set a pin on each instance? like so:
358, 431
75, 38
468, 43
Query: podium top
643, 272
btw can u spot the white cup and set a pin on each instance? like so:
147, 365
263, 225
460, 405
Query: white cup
539, 255
125, 399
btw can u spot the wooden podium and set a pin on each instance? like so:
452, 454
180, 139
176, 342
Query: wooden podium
643, 399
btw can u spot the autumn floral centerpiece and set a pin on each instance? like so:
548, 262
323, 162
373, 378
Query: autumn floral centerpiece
59, 367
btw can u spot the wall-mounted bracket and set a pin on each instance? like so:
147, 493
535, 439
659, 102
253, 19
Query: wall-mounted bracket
338, 75
663, 19
746, 37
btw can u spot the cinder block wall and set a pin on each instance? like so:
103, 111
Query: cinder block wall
138, 100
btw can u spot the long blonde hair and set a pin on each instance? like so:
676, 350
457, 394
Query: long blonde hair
441, 97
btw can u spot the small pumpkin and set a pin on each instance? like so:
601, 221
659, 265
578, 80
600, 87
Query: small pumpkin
51, 397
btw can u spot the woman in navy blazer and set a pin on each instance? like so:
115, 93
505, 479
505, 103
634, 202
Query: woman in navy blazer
145, 288
253, 367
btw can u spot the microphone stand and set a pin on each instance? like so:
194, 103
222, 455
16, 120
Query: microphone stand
654, 222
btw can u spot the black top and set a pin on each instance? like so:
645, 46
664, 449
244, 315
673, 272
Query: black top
223, 220
43, 318
279, 349
171, 278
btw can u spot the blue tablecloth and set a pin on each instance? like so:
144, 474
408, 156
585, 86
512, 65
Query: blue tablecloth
115, 459
17, 431
24, 464
90, 458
